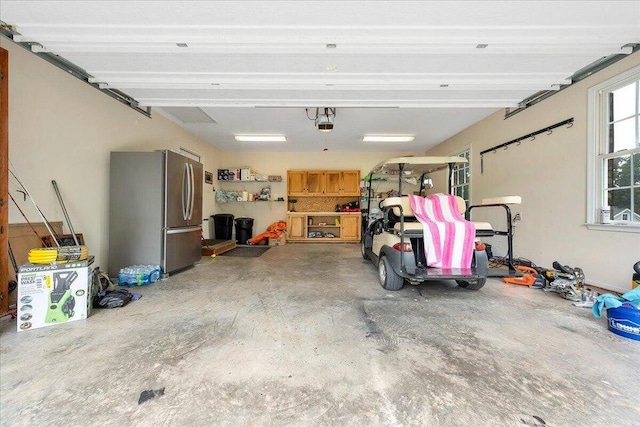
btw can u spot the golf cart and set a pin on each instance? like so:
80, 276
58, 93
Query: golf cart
393, 239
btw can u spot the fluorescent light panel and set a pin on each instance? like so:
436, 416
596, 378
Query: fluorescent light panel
388, 138
261, 138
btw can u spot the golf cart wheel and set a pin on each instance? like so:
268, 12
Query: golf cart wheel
389, 279
363, 250
474, 285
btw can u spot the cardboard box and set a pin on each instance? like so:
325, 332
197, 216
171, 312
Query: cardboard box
53, 293
245, 174
278, 241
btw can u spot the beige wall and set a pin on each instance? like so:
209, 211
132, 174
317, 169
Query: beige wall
278, 164
62, 129
550, 173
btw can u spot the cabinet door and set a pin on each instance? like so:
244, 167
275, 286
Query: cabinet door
350, 229
315, 183
296, 183
351, 183
332, 183
295, 226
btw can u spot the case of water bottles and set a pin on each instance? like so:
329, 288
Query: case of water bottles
139, 275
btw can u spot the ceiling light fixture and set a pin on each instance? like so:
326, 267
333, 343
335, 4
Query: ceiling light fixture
388, 138
182, 45
481, 46
261, 138
331, 45
323, 119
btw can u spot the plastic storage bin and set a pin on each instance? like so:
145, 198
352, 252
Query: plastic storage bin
624, 321
222, 226
244, 230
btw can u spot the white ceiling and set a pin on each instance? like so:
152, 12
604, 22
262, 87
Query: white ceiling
398, 67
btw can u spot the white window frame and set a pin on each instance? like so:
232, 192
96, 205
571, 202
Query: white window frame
460, 153
597, 128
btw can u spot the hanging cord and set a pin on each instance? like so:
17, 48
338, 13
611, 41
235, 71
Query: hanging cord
46, 223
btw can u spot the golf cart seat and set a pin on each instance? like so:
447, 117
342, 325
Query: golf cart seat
414, 228
494, 202
503, 202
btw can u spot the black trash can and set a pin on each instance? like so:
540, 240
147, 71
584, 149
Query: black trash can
244, 230
222, 225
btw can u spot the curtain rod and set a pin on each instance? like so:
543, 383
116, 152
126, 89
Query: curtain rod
504, 145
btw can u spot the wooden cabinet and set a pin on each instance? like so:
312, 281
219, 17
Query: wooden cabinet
350, 228
296, 183
323, 183
305, 183
323, 227
332, 182
342, 183
295, 226
351, 183
315, 183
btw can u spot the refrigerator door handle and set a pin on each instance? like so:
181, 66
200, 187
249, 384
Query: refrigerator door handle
185, 191
183, 230
184, 215
192, 193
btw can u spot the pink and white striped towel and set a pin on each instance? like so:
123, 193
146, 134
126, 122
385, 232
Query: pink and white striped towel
448, 237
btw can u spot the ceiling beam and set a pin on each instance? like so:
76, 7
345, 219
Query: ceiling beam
339, 103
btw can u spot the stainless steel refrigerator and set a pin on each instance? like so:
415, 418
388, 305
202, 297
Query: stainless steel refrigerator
155, 210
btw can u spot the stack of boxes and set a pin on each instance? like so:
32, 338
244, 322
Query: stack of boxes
238, 174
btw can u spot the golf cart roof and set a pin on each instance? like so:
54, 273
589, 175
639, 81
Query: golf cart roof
415, 166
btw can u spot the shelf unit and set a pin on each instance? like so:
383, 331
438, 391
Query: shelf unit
252, 187
303, 226
255, 201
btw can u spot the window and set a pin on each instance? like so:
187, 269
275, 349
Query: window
462, 177
614, 143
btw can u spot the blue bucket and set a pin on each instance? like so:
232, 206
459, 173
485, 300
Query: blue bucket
624, 321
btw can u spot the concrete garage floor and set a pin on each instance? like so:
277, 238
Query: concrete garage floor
305, 335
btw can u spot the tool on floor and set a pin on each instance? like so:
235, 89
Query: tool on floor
527, 279
61, 299
565, 280
64, 211
44, 219
587, 299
